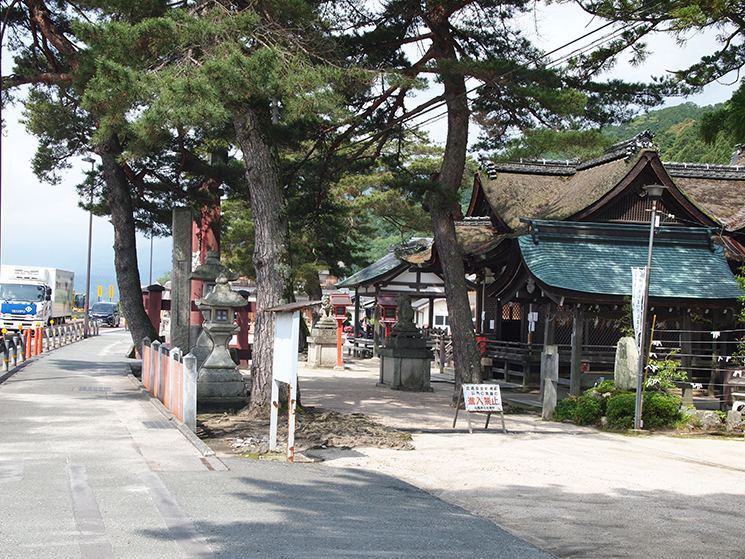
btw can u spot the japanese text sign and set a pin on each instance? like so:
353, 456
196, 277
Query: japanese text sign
482, 397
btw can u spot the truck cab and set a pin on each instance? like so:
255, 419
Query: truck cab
31, 297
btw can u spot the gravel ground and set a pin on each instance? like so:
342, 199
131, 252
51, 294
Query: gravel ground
573, 491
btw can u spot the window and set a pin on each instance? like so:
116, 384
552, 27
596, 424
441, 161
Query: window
512, 311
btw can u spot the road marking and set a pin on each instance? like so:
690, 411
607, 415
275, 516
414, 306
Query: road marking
180, 525
94, 544
11, 470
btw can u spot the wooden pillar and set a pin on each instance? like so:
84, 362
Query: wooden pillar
575, 378
480, 305
498, 321
431, 317
376, 328
356, 312
686, 347
549, 330
152, 300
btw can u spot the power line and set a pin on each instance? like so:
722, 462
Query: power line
606, 38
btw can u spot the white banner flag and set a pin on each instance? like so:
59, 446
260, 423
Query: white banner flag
638, 277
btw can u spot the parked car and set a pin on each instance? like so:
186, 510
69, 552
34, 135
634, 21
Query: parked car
105, 312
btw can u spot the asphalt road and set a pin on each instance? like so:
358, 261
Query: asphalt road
90, 468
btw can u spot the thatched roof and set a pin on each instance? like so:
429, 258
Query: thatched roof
719, 189
558, 190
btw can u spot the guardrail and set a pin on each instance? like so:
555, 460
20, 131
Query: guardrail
171, 377
18, 347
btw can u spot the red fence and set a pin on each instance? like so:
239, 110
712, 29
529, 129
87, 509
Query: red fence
171, 378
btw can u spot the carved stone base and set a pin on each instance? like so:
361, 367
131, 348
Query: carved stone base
322, 350
220, 390
405, 369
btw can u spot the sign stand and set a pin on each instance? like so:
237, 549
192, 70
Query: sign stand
480, 398
284, 369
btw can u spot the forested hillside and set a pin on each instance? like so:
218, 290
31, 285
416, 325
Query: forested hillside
676, 132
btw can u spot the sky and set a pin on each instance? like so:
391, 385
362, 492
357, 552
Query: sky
42, 225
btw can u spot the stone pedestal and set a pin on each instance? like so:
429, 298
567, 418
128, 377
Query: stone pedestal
220, 385
322, 344
405, 364
405, 361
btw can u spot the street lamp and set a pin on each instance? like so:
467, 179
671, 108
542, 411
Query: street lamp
654, 192
86, 324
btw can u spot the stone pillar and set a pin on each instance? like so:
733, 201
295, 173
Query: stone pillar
549, 379
180, 283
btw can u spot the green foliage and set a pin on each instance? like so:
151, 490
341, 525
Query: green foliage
583, 410
677, 132
555, 144
664, 372
606, 386
620, 410
566, 409
660, 410
166, 277
589, 410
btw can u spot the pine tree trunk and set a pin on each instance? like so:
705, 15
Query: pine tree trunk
271, 257
445, 209
119, 199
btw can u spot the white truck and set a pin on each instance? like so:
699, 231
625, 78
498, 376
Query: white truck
32, 296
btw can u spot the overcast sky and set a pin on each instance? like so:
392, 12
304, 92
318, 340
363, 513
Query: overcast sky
42, 225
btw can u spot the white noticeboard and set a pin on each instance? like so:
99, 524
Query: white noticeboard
482, 397
485, 398
284, 369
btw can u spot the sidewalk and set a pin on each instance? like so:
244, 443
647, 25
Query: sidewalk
573, 491
89, 468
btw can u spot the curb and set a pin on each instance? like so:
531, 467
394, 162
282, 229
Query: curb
17, 368
198, 443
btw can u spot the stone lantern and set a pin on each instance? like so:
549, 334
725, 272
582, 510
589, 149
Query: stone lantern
220, 385
207, 273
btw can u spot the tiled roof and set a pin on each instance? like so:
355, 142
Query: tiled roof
414, 250
597, 258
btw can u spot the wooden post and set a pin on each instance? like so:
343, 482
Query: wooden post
339, 342
575, 379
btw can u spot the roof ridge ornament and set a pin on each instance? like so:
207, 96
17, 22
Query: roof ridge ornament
632, 146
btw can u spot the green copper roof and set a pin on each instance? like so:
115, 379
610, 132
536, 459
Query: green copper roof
375, 270
597, 258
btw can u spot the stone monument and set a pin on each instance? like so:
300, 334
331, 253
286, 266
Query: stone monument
626, 366
322, 341
405, 361
220, 385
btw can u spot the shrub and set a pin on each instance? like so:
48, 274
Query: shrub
566, 409
620, 410
602, 388
660, 409
589, 410
602, 392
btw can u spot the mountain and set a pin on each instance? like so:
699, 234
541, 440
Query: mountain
676, 132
